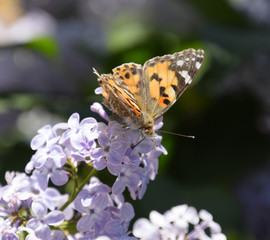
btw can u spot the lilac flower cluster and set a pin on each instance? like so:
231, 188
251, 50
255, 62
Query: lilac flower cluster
30, 209
24, 209
103, 213
60, 149
114, 147
176, 224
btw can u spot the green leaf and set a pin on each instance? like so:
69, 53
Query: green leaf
47, 46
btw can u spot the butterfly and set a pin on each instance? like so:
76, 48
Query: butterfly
141, 94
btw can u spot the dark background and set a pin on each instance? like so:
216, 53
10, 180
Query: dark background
48, 49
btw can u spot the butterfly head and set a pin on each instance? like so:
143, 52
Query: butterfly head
148, 132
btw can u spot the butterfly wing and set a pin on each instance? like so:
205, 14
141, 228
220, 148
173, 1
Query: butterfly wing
119, 98
143, 94
166, 78
131, 74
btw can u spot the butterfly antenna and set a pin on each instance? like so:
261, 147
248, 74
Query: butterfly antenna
133, 146
178, 134
96, 72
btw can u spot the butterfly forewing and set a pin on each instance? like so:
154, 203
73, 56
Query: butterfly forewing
168, 77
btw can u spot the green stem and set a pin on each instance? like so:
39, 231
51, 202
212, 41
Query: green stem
77, 188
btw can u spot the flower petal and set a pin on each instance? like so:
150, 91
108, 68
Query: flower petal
54, 218
39, 209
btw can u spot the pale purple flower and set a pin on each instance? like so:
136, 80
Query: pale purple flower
23, 188
97, 107
49, 158
40, 224
57, 235
11, 195
49, 163
102, 216
126, 177
7, 231
46, 144
30, 233
126, 237
80, 140
9, 234
57, 175
46, 136
206, 223
111, 149
23, 193
50, 197
132, 158
176, 224
92, 201
73, 128
89, 131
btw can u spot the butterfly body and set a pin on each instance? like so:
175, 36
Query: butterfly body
139, 95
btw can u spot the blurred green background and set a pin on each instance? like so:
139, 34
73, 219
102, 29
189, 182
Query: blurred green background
48, 49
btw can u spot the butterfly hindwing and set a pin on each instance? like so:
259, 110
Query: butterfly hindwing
118, 97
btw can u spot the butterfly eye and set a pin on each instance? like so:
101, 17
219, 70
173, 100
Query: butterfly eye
148, 132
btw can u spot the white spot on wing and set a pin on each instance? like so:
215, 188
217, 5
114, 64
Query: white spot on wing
198, 65
188, 80
184, 73
180, 63
186, 76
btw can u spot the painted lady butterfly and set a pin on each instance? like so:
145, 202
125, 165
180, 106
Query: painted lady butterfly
141, 94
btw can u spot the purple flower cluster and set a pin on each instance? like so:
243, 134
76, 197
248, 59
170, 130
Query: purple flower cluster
119, 149
176, 224
63, 147
103, 213
24, 208
30, 209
